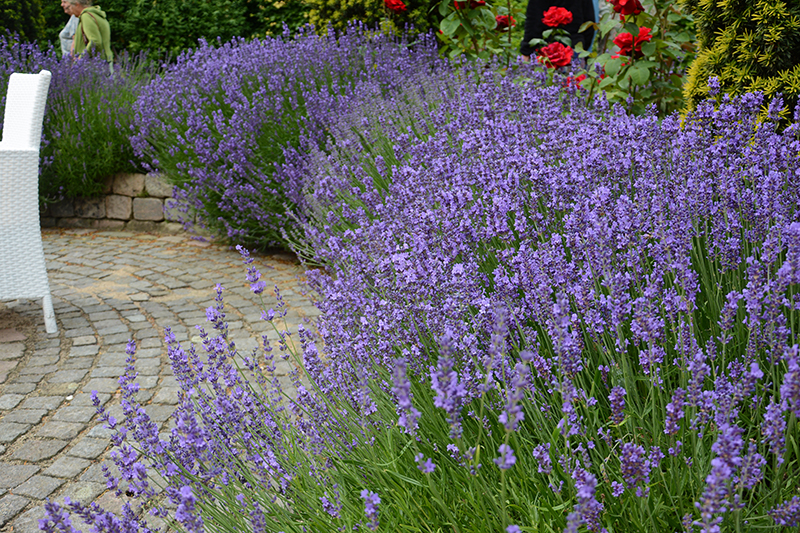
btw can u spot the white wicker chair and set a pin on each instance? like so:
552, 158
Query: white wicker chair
22, 268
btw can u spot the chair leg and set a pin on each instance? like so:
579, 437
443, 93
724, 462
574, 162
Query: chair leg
49, 316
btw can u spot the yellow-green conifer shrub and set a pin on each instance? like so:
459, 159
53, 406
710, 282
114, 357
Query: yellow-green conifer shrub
422, 14
750, 45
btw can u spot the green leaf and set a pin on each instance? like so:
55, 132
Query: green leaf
613, 65
444, 8
624, 83
607, 82
602, 59
450, 24
649, 49
489, 21
630, 27
606, 26
588, 24
639, 74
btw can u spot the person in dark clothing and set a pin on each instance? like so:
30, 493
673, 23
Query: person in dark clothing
582, 11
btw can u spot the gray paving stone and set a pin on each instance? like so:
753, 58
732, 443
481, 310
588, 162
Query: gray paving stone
68, 376
84, 341
11, 430
75, 413
10, 506
85, 399
59, 429
79, 332
43, 360
89, 448
19, 388
25, 416
167, 395
13, 475
101, 431
42, 402
9, 401
81, 351
28, 370
83, 491
36, 450
67, 466
28, 522
39, 487
108, 372
77, 363
159, 413
101, 385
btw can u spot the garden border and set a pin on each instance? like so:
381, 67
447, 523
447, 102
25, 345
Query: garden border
133, 202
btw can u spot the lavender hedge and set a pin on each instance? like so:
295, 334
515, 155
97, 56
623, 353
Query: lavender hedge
218, 120
88, 116
538, 315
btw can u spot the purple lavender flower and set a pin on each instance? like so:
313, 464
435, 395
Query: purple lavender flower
371, 502
513, 529
635, 469
774, 428
788, 513
186, 513
424, 465
617, 400
450, 393
512, 414
790, 388
506, 459
674, 412
541, 453
408, 415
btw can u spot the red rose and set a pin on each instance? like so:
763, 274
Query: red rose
576, 81
395, 5
472, 4
627, 7
557, 16
504, 21
555, 55
628, 43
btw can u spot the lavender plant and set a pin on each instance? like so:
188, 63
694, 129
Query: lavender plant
218, 120
538, 315
88, 116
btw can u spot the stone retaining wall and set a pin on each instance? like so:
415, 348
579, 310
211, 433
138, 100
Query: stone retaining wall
134, 202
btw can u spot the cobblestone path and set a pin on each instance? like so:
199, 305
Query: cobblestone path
109, 287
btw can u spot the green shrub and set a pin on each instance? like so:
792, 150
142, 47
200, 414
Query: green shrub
24, 18
267, 17
174, 26
422, 14
748, 45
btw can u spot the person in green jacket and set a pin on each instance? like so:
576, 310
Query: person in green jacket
93, 34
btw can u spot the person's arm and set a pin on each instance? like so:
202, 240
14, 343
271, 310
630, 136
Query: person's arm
92, 32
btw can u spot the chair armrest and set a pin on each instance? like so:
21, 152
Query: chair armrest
8, 148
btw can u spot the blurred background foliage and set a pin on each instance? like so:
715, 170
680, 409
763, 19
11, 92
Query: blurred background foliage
175, 25
24, 18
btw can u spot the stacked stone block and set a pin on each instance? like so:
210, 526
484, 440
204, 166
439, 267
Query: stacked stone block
134, 202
